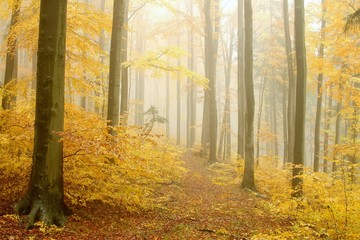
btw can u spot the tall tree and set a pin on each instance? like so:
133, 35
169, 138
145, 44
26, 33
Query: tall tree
124, 70
292, 86
44, 199
210, 122
11, 56
225, 133
249, 179
191, 101
299, 142
241, 86
320, 79
115, 58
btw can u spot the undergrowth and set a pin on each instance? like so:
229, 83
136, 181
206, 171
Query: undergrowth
123, 170
330, 208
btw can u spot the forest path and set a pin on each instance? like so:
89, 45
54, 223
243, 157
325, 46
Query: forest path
192, 209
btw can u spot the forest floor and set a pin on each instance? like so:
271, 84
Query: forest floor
193, 209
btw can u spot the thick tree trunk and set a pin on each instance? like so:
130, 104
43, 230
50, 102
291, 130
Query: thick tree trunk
292, 85
44, 199
241, 84
11, 59
115, 59
299, 142
124, 70
210, 109
249, 179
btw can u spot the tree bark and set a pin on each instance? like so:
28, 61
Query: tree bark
299, 142
210, 109
115, 59
241, 85
320, 79
124, 70
292, 85
44, 199
249, 179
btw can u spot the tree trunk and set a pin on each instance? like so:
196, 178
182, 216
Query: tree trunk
178, 106
337, 133
241, 84
191, 107
44, 199
319, 95
168, 104
249, 179
124, 70
328, 115
210, 109
285, 123
115, 59
292, 85
261, 102
11, 59
299, 142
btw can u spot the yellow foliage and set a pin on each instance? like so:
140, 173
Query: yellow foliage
123, 170
329, 209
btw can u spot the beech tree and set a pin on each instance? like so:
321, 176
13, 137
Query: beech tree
249, 179
320, 78
299, 137
115, 58
44, 199
241, 92
288, 153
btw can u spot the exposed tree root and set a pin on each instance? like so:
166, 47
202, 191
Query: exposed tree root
47, 210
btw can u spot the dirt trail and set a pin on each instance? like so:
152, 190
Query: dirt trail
193, 209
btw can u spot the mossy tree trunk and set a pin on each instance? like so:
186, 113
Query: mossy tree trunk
44, 199
249, 179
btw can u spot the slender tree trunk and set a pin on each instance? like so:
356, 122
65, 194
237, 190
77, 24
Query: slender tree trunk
337, 133
274, 122
168, 104
285, 123
191, 108
261, 102
115, 59
11, 59
299, 142
140, 81
178, 106
241, 84
292, 86
44, 199
328, 115
249, 179
319, 96
124, 70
